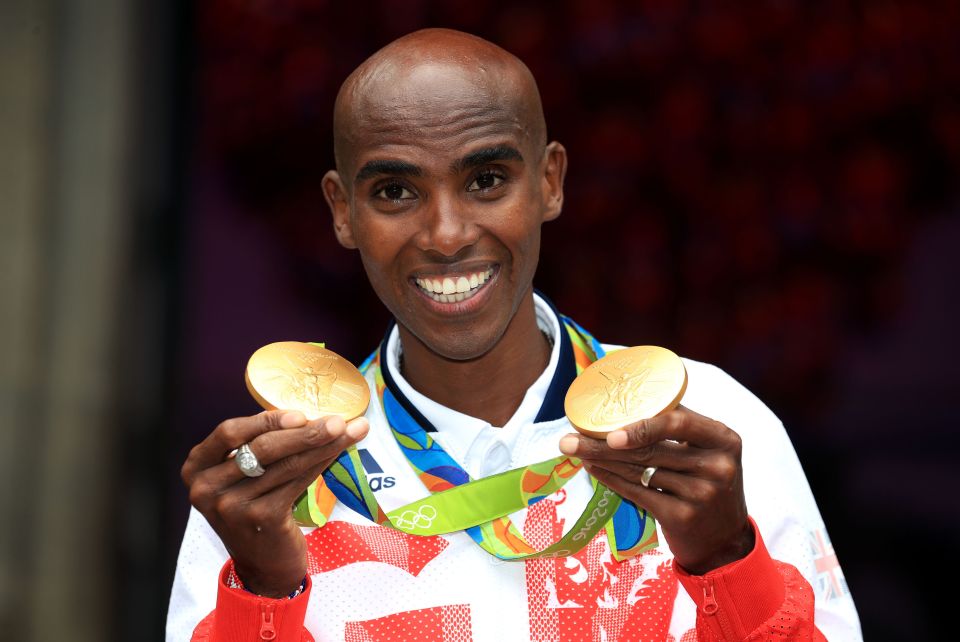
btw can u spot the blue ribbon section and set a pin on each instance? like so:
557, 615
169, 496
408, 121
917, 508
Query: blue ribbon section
430, 458
345, 495
628, 520
628, 523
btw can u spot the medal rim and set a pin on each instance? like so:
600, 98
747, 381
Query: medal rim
600, 432
343, 366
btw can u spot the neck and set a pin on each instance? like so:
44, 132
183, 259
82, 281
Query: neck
489, 387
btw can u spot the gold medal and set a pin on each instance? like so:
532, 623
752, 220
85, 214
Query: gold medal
290, 375
624, 387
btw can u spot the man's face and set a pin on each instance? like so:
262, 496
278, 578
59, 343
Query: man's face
443, 192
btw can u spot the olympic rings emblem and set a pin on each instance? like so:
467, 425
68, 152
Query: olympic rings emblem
422, 519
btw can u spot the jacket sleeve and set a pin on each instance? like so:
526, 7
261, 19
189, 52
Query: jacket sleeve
779, 498
241, 616
755, 598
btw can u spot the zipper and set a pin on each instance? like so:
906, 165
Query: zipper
267, 630
710, 606
712, 609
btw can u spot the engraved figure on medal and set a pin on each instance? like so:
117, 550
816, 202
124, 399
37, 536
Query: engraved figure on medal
308, 378
623, 387
315, 385
629, 385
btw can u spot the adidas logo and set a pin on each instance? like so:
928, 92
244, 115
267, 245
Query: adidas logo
375, 477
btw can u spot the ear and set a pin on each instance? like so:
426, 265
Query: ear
554, 171
335, 193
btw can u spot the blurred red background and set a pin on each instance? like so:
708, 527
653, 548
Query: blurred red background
768, 186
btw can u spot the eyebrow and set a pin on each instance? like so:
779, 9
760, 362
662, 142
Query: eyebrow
389, 167
471, 160
487, 155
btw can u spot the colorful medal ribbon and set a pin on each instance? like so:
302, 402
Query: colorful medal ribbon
478, 507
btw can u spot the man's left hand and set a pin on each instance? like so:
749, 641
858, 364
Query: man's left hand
696, 492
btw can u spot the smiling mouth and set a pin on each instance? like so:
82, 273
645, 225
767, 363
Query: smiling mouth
454, 288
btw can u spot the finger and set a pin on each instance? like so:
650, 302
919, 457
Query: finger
262, 504
292, 475
358, 428
212, 484
297, 470
654, 501
233, 433
276, 504
681, 424
272, 447
663, 479
662, 453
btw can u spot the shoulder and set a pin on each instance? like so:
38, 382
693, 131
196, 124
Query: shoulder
714, 393
768, 451
720, 395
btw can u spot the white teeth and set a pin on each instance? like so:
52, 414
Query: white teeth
454, 289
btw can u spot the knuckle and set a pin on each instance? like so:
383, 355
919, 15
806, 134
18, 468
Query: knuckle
289, 466
200, 494
725, 469
641, 432
265, 448
676, 420
228, 507
230, 431
736, 441
314, 435
271, 419
702, 493
589, 446
187, 471
193, 454
686, 516
192, 470
282, 468
701, 464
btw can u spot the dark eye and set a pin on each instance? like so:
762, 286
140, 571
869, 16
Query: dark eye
394, 192
485, 181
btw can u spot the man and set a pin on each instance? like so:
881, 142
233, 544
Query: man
444, 177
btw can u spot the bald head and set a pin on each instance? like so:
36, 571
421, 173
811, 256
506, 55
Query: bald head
429, 79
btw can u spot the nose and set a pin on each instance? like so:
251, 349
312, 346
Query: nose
448, 227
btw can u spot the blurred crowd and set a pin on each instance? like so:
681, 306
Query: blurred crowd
744, 177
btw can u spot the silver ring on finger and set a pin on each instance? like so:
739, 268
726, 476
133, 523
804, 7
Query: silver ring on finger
646, 475
247, 462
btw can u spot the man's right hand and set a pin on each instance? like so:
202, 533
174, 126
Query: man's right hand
252, 515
